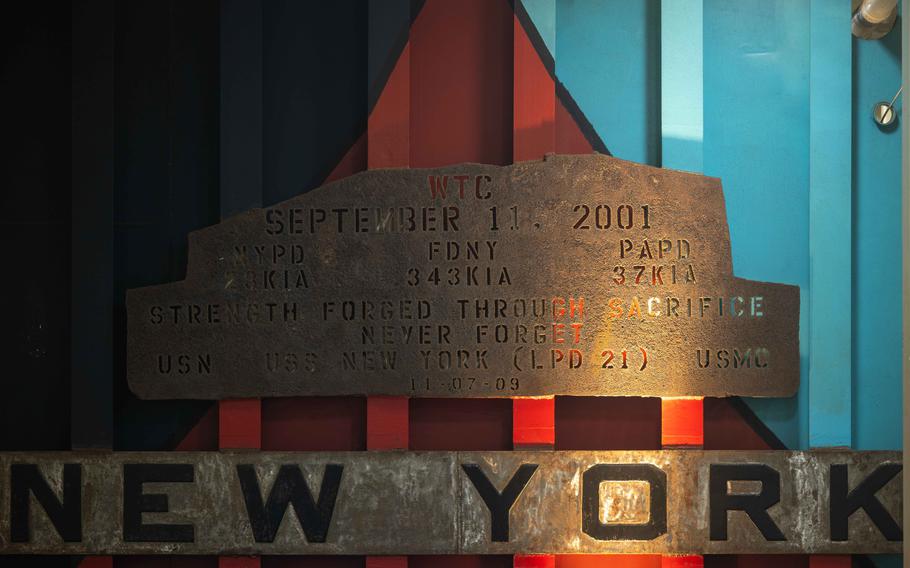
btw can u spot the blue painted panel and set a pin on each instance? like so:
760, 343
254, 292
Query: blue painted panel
756, 138
830, 224
609, 59
681, 85
877, 254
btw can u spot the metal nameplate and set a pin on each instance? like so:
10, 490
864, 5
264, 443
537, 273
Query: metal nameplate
668, 502
575, 275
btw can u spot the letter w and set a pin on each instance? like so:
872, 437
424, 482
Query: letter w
438, 185
290, 487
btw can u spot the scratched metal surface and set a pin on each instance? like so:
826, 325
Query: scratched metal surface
263, 312
423, 503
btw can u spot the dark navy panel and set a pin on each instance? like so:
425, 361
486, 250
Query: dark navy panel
314, 91
241, 105
35, 227
166, 117
91, 386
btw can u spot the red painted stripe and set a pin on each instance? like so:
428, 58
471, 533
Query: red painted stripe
682, 562
461, 424
314, 424
725, 428
387, 423
534, 101
608, 561
534, 561
388, 128
607, 423
682, 422
461, 83
240, 424
533, 423
386, 562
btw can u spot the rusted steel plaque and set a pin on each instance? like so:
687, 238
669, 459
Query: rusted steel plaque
675, 502
575, 275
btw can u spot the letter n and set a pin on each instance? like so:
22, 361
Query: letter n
65, 514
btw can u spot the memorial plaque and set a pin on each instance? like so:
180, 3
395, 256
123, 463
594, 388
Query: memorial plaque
660, 502
575, 275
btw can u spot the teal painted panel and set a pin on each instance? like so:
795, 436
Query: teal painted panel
756, 133
887, 560
830, 224
877, 254
681, 85
609, 60
756, 139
